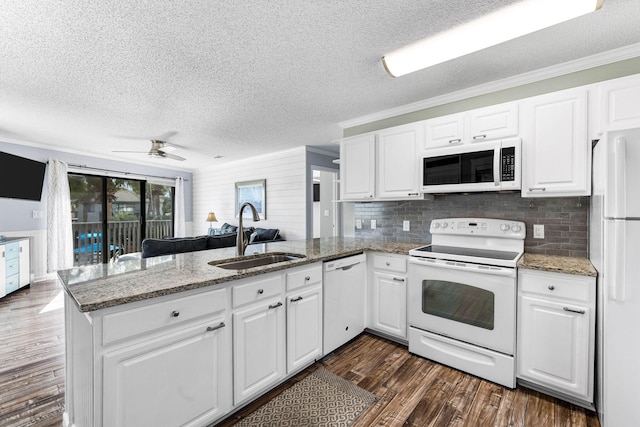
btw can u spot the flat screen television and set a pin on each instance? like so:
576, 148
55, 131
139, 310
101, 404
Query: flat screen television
21, 178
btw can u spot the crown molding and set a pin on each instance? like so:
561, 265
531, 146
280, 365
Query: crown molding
604, 58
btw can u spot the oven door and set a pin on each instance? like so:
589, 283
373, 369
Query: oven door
468, 302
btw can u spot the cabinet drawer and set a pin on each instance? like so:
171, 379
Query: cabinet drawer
12, 283
146, 319
306, 277
556, 285
11, 250
12, 267
256, 290
381, 262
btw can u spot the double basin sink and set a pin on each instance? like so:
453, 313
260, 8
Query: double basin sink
259, 260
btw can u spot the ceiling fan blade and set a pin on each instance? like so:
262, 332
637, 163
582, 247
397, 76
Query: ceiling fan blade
166, 135
171, 156
124, 151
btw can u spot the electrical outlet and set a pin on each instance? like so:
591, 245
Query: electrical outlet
538, 231
37, 214
406, 225
358, 224
373, 224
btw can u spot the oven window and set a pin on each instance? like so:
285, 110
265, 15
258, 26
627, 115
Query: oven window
458, 302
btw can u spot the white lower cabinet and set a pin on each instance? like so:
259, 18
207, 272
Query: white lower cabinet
556, 329
181, 379
388, 295
259, 336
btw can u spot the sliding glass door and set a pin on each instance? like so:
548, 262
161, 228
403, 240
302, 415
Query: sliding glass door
111, 216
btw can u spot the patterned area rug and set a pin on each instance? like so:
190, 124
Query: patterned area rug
321, 399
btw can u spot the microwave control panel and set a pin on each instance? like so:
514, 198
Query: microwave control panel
508, 164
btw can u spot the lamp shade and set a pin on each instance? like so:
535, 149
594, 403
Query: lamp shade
211, 217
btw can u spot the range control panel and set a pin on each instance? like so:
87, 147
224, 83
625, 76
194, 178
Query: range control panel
479, 227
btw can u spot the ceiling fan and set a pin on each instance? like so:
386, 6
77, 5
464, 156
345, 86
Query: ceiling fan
159, 150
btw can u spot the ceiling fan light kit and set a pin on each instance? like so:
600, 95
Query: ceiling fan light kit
159, 150
513, 21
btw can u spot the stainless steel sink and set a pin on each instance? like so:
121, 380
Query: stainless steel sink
256, 260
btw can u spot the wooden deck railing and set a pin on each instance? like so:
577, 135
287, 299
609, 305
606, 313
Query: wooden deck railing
124, 237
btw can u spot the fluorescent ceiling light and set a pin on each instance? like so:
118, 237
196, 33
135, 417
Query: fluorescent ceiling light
505, 24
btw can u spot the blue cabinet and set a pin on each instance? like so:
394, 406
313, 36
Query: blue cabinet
14, 265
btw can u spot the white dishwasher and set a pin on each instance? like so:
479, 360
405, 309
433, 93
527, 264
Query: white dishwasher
344, 296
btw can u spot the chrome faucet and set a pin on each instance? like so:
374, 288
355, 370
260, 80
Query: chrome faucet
241, 243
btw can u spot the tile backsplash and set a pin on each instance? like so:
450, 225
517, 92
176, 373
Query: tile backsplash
565, 219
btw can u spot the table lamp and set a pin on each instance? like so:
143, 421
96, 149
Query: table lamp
211, 218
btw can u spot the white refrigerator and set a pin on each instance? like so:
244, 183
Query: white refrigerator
615, 252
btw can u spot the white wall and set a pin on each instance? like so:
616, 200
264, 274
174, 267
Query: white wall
285, 172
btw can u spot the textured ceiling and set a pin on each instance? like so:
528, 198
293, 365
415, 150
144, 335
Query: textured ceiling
242, 78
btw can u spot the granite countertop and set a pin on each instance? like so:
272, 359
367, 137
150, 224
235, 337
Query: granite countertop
100, 286
557, 264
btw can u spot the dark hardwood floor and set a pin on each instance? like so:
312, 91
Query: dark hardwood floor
412, 391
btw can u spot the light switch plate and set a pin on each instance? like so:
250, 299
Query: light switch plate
373, 224
406, 225
538, 231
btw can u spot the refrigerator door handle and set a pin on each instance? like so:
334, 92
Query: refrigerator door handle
620, 175
618, 269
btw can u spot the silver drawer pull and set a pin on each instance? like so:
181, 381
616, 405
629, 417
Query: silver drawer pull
413, 194
175, 313
537, 189
215, 328
573, 310
260, 291
296, 299
551, 287
307, 278
454, 141
398, 279
387, 263
275, 305
479, 136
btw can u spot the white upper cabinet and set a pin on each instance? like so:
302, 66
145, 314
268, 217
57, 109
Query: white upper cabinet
397, 175
444, 131
357, 167
382, 165
482, 124
620, 108
494, 122
556, 150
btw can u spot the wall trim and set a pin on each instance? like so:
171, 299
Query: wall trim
608, 57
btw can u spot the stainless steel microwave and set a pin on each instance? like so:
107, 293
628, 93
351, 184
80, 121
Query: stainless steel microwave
482, 166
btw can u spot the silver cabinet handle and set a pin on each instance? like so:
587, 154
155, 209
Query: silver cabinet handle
175, 313
260, 291
413, 194
537, 189
573, 310
551, 287
214, 328
398, 279
275, 305
453, 141
296, 299
387, 263
479, 136
307, 278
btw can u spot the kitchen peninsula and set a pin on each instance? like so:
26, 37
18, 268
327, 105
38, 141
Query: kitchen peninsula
152, 339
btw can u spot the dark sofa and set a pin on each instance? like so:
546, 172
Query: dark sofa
256, 234
178, 245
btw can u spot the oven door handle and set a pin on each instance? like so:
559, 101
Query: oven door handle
461, 266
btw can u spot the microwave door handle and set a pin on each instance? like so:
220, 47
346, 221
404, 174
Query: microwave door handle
496, 165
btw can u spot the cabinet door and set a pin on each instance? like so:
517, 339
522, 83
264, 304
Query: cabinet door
397, 162
389, 304
556, 155
553, 345
151, 384
357, 168
25, 273
496, 121
3, 271
620, 108
444, 131
304, 327
258, 348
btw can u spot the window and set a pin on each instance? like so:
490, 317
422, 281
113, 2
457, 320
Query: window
111, 216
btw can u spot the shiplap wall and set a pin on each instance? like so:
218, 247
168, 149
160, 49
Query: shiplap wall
285, 172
